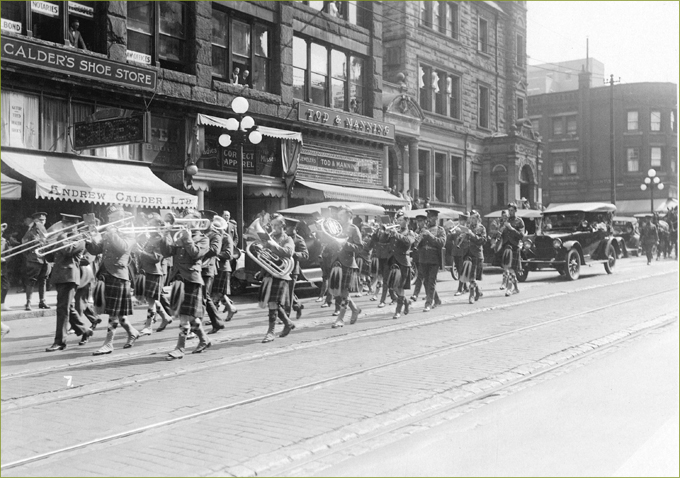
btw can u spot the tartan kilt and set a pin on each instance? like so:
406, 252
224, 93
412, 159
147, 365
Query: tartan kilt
192, 304
279, 293
153, 286
350, 278
117, 296
476, 268
222, 284
515, 257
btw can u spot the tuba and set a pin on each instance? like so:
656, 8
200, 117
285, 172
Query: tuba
332, 228
278, 267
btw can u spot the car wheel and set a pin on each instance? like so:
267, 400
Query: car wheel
237, 286
523, 274
611, 259
572, 269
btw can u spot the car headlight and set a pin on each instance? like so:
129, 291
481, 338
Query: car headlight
527, 244
557, 243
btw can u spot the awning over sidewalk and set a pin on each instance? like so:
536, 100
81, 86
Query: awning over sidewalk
634, 206
11, 188
373, 196
217, 122
71, 179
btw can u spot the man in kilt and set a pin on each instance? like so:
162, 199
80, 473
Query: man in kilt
222, 287
399, 277
215, 235
115, 249
187, 247
300, 254
37, 268
432, 241
475, 254
344, 276
511, 233
329, 253
421, 219
274, 289
380, 246
152, 273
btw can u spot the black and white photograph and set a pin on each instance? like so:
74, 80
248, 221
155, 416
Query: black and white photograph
339, 238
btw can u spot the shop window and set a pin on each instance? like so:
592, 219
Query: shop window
573, 166
655, 120
500, 195
439, 165
54, 128
241, 51
482, 36
455, 196
632, 124
655, 157
632, 160
558, 167
483, 105
338, 78
157, 34
20, 120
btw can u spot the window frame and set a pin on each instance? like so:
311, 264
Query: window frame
348, 11
632, 159
439, 186
630, 121
652, 123
657, 162
558, 167
572, 167
483, 113
520, 51
455, 193
482, 35
444, 103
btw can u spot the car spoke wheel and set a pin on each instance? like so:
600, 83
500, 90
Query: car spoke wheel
611, 259
573, 267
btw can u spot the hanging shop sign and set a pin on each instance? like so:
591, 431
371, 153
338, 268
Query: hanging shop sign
73, 63
45, 8
345, 122
112, 132
80, 9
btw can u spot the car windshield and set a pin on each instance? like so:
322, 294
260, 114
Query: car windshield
622, 227
562, 221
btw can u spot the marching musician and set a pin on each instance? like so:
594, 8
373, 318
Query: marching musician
153, 271
399, 278
274, 290
187, 248
66, 278
300, 254
475, 254
511, 233
380, 246
222, 286
432, 240
37, 269
459, 244
329, 253
115, 249
421, 220
215, 233
344, 276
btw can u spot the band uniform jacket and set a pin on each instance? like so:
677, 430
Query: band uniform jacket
187, 255
430, 246
511, 236
648, 235
150, 258
400, 246
301, 253
353, 245
476, 239
35, 231
284, 246
115, 250
66, 267
458, 241
210, 258
380, 244
226, 253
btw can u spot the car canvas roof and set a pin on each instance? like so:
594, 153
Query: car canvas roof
444, 213
358, 208
583, 207
624, 219
521, 213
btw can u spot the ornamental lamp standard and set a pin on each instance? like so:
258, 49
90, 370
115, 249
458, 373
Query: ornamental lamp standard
241, 129
652, 181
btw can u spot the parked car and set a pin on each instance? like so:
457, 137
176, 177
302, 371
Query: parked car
627, 232
571, 236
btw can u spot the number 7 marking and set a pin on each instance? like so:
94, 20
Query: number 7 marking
70, 380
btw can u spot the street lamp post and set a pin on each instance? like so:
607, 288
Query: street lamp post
652, 181
241, 129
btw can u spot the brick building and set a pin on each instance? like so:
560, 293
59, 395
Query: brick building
575, 127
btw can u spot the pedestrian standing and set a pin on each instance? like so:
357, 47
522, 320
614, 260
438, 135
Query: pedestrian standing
511, 233
649, 237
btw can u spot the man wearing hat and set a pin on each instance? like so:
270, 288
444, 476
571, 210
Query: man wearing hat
511, 233
649, 237
37, 268
115, 249
209, 267
457, 244
475, 254
300, 254
421, 222
399, 276
222, 286
380, 248
432, 241
66, 278
329, 253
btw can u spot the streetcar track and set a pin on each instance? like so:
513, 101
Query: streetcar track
314, 343
337, 378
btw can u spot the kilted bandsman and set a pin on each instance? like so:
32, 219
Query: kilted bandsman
432, 241
300, 254
475, 254
187, 249
421, 220
459, 242
222, 286
380, 257
274, 290
37, 269
215, 233
344, 276
115, 249
399, 277
511, 233
329, 254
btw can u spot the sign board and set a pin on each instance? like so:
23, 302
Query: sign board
80, 9
11, 26
45, 8
72, 62
348, 123
134, 129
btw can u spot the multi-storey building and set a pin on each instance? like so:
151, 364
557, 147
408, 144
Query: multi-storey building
455, 88
575, 127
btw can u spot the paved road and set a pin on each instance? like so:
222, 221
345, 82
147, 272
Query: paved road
248, 408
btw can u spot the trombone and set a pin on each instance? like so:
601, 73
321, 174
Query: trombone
178, 225
40, 241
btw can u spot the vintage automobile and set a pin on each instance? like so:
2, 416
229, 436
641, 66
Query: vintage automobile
627, 232
573, 235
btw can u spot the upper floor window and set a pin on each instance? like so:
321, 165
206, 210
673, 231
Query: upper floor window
483, 106
558, 167
328, 77
520, 107
655, 120
440, 16
241, 51
453, 20
558, 126
632, 124
351, 11
157, 34
572, 125
573, 166
482, 36
632, 160
655, 157
521, 56
674, 160
426, 11
673, 123
439, 92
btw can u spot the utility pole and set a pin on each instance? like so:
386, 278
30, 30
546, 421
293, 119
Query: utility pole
612, 164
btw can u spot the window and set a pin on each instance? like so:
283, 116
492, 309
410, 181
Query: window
350, 11
572, 126
455, 179
439, 165
558, 126
20, 119
520, 107
674, 160
476, 188
423, 169
632, 121
453, 20
453, 92
573, 166
500, 195
425, 79
328, 77
483, 105
157, 34
439, 92
520, 51
482, 36
558, 167
632, 160
655, 121
54, 128
426, 14
655, 157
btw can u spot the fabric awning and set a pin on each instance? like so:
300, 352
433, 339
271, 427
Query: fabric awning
71, 179
373, 196
11, 188
634, 206
207, 120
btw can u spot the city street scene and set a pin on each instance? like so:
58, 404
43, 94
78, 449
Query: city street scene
339, 238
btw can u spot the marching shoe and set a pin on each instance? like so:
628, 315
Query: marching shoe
191, 335
201, 347
335, 313
164, 324
214, 331
325, 304
95, 323
407, 305
427, 308
319, 299
355, 316
43, 305
28, 303
298, 314
55, 347
381, 305
340, 322
374, 298
86, 337
131, 340
231, 314
288, 328
175, 355
103, 350
414, 298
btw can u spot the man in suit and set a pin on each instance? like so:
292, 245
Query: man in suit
432, 241
66, 278
399, 277
37, 269
75, 38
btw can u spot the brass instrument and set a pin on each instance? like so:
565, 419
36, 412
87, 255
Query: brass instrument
41, 241
279, 267
202, 225
332, 228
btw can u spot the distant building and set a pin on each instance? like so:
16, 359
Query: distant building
575, 129
562, 76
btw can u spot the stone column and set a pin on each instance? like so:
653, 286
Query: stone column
386, 166
413, 165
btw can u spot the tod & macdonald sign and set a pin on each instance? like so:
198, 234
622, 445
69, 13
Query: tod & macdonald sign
72, 62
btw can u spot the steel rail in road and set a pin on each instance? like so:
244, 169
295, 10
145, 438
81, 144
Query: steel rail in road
325, 381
